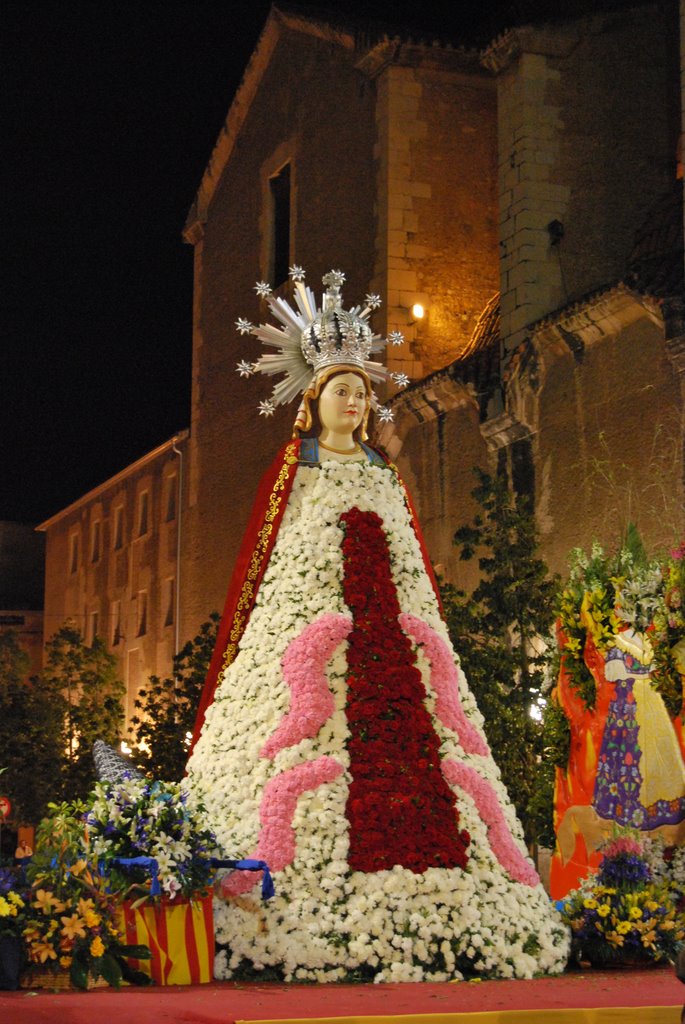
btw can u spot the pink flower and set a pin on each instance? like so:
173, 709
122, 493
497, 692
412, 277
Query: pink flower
487, 804
276, 843
623, 844
304, 670
445, 682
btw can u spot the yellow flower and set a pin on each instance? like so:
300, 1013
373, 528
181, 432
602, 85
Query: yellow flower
615, 938
16, 899
4, 907
79, 867
65, 961
73, 926
604, 910
635, 913
42, 951
623, 927
84, 906
92, 919
97, 947
47, 902
590, 904
666, 926
652, 905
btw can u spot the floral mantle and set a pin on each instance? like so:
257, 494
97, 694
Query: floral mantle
286, 743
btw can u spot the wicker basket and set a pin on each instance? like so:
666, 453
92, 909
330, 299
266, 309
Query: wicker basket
56, 981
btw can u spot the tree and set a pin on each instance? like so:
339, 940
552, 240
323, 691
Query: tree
31, 733
87, 678
168, 707
502, 633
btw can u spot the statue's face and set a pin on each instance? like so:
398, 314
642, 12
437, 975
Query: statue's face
343, 403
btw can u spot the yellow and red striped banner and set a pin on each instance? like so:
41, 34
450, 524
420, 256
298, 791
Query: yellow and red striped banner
180, 934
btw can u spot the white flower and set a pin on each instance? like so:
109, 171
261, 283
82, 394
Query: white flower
396, 337
244, 368
297, 272
373, 301
263, 289
267, 408
243, 326
385, 415
400, 379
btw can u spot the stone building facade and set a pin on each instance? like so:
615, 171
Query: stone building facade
113, 565
578, 392
444, 176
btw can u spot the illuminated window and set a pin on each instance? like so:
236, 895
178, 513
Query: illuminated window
169, 597
118, 530
171, 498
115, 618
280, 225
74, 553
95, 533
143, 513
142, 613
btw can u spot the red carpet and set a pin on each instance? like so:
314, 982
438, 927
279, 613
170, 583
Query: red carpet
227, 1002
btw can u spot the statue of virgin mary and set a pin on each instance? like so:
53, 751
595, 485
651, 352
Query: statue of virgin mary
337, 738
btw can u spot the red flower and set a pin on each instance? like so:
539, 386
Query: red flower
400, 808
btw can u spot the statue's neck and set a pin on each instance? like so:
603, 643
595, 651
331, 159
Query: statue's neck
340, 443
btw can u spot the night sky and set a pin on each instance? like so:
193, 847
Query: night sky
111, 112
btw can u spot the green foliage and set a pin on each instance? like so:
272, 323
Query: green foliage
556, 742
87, 678
502, 633
59, 841
167, 708
31, 739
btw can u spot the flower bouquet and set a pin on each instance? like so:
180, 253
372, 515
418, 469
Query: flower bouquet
147, 835
626, 913
151, 842
70, 930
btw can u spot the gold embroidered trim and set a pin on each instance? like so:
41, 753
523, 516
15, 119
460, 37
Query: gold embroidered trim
247, 594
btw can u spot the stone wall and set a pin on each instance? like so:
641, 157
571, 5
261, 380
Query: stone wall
606, 428
436, 239
588, 127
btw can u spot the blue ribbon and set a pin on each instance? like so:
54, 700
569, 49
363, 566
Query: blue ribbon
143, 862
250, 865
